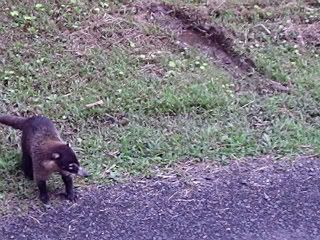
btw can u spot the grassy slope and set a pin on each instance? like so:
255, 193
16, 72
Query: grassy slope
178, 104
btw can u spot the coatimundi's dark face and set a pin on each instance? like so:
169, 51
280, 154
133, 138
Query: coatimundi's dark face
67, 161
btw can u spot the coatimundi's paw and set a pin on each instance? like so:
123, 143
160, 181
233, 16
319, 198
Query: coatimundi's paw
72, 197
44, 198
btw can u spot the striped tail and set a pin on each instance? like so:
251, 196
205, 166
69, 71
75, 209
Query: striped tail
13, 121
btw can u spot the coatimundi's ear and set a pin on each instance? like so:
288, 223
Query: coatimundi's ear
55, 156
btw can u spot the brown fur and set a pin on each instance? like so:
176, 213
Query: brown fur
44, 152
13, 121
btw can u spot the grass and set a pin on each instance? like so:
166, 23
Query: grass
177, 104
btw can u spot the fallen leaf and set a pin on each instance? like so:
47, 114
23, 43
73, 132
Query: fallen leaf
90, 105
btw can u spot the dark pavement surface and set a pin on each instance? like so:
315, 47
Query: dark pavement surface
253, 200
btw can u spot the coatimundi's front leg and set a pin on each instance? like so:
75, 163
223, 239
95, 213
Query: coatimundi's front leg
68, 182
42, 185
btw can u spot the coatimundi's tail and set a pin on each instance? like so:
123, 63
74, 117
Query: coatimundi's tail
13, 121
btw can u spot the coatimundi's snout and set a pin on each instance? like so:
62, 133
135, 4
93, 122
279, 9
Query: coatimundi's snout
66, 161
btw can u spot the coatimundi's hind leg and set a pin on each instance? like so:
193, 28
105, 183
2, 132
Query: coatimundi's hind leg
27, 166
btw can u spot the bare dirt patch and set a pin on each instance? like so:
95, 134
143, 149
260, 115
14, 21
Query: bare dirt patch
191, 28
304, 34
108, 30
214, 40
194, 30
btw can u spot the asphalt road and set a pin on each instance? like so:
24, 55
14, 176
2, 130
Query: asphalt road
253, 200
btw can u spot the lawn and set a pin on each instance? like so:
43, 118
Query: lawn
132, 93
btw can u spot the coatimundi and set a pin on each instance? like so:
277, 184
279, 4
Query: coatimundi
44, 152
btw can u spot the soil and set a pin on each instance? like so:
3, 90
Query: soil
304, 34
255, 199
194, 30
